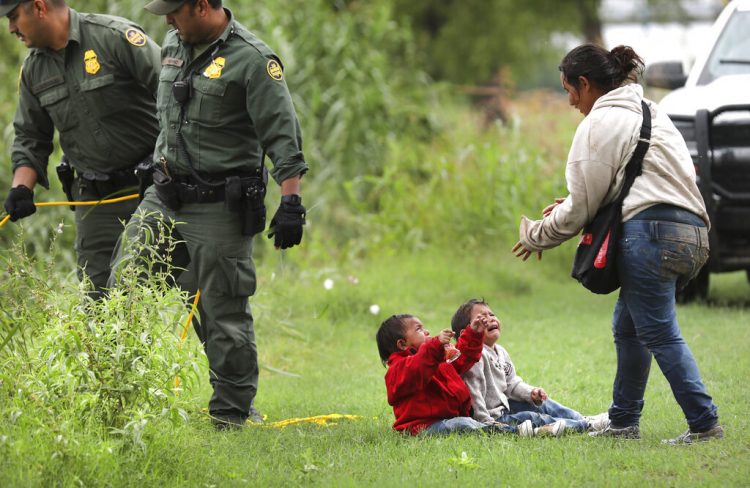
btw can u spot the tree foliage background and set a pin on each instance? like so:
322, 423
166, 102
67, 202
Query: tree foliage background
362, 72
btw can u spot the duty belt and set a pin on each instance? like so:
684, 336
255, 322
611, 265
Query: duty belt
192, 191
105, 184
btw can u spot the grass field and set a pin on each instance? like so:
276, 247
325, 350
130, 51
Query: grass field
318, 356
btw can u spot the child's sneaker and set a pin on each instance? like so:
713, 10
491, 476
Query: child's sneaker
555, 429
716, 432
630, 432
597, 422
525, 429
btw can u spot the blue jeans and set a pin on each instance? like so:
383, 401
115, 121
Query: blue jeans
462, 424
659, 250
547, 413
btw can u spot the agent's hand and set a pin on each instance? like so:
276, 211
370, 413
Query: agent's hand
286, 224
20, 202
479, 324
538, 395
548, 209
445, 336
523, 253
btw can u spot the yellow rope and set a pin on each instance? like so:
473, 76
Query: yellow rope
183, 334
91, 202
317, 420
324, 420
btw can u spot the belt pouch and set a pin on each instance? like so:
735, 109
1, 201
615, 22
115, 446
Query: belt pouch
166, 190
253, 206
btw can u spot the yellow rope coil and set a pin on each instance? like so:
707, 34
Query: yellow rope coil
318, 420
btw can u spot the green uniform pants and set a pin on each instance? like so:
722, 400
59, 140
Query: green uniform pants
219, 259
97, 230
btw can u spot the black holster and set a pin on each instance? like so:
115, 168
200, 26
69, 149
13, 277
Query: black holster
66, 175
166, 189
246, 195
144, 171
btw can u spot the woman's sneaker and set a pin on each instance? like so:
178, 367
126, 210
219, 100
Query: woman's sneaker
716, 432
525, 429
630, 432
555, 429
597, 422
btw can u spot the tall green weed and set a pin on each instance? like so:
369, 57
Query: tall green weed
107, 364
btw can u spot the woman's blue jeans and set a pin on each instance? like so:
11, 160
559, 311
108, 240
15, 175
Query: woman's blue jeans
658, 251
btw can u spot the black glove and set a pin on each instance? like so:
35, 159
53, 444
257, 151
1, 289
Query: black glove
286, 224
20, 202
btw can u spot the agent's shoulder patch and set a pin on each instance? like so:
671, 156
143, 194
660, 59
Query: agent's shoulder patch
135, 37
274, 69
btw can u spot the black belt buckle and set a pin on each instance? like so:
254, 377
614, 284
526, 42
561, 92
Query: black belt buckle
188, 193
94, 176
206, 195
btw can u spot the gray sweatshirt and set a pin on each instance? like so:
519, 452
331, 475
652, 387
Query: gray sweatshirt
601, 149
492, 381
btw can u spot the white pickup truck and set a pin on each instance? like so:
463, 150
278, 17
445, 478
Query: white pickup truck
711, 108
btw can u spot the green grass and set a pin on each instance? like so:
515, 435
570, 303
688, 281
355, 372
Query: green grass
318, 356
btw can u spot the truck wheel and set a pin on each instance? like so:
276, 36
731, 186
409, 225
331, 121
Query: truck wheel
696, 289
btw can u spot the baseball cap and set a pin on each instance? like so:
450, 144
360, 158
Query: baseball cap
7, 6
163, 7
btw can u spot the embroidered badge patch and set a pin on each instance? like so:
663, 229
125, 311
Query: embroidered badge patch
92, 64
214, 69
135, 37
274, 70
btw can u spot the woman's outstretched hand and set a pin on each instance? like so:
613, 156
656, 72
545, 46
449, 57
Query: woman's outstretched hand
523, 253
548, 209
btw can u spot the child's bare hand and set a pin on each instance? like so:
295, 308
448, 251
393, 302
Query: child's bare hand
445, 336
479, 324
538, 395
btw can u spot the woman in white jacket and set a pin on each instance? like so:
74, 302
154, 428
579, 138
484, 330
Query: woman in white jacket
664, 241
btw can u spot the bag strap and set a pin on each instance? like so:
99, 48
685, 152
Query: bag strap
635, 165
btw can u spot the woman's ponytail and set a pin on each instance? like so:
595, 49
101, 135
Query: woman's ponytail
631, 65
607, 69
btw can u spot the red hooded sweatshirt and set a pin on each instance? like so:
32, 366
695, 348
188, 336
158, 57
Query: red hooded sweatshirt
423, 388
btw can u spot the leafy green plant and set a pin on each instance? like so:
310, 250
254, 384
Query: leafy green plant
110, 362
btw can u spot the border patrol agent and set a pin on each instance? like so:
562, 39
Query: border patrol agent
94, 79
223, 105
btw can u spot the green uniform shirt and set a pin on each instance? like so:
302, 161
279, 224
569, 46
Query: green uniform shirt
99, 92
240, 107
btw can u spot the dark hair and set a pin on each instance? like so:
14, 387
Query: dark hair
390, 331
462, 317
214, 4
605, 69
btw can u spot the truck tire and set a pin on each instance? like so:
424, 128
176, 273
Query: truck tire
696, 289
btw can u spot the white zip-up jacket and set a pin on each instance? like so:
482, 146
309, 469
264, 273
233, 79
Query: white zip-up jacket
602, 147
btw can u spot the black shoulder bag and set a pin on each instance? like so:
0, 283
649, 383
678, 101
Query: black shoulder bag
595, 263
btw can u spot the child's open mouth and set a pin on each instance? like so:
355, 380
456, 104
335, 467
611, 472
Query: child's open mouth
493, 327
